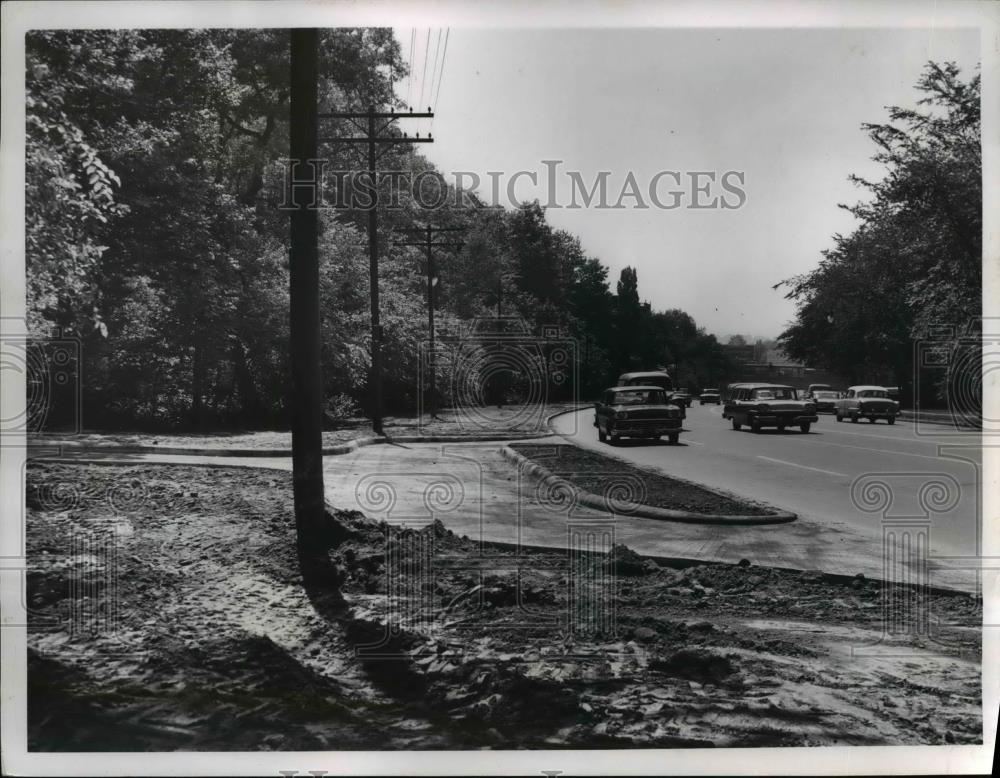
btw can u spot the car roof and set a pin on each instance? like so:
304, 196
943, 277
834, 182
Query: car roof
637, 388
763, 386
644, 373
866, 386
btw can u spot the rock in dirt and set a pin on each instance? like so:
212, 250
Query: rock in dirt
695, 664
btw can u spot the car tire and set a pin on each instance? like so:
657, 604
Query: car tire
891, 420
674, 437
871, 419
736, 424
805, 427
614, 436
854, 419
839, 417
602, 435
754, 426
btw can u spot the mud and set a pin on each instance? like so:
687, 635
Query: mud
168, 612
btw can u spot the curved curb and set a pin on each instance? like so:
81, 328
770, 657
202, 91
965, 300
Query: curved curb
638, 509
339, 448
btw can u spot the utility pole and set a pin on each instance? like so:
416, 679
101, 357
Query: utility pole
373, 136
429, 245
304, 320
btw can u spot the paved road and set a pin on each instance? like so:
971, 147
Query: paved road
476, 492
832, 477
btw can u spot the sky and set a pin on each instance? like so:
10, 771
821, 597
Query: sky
784, 107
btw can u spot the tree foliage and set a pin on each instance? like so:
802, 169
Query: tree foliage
154, 176
914, 261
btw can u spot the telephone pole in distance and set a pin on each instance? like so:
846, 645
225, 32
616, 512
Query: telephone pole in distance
372, 125
429, 245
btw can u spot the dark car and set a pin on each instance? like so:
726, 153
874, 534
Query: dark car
867, 402
824, 400
768, 405
658, 378
682, 397
636, 412
710, 397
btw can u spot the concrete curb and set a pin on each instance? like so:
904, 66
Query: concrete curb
627, 508
339, 448
942, 418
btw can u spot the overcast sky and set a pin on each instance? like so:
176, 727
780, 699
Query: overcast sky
783, 106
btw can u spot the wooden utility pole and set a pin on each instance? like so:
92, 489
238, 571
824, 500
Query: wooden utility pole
374, 136
307, 380
429, 245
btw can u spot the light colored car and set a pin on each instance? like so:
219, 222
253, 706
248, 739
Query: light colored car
867, 402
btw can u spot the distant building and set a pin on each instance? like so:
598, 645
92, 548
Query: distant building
761, 363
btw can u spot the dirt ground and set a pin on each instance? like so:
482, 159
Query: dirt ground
449, 422
167, 611
617, 479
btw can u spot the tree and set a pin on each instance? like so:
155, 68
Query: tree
914, 261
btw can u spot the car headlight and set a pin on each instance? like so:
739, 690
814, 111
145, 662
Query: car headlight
621, 414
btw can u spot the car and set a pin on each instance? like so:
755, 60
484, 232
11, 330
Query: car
636, 412
658, 378
710, 397
682, 397
812, 388
867, 402
824, 400
768, 405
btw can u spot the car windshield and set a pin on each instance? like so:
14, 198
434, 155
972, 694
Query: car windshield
774, 393
873, 393
641, 397
825, 395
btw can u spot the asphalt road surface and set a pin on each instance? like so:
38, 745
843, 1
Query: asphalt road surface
888, 484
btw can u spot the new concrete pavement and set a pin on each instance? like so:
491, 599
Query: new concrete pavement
476, 492
874, 486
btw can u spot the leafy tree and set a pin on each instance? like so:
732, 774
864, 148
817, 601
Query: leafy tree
914, 261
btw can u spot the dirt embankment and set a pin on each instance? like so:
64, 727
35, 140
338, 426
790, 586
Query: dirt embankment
167, 611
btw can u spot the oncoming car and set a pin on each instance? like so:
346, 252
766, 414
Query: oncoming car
710, 397
768, 405
867, 402
636, 412
658, 378
825, 400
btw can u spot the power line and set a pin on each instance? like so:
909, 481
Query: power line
441, 77
409, 69
437, 50
423, 79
